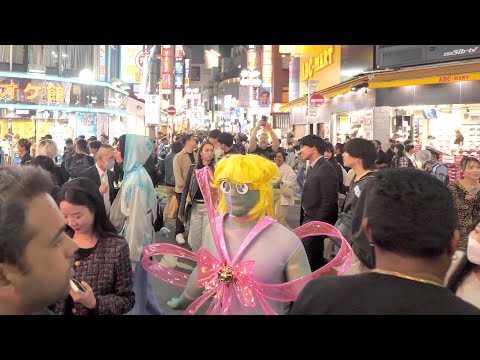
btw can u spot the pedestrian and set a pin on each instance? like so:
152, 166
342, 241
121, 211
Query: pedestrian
36, 256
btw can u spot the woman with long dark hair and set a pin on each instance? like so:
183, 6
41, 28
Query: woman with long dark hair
464, 280
192, 205
102, 262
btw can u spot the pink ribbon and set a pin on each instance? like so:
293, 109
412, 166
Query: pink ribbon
224, 278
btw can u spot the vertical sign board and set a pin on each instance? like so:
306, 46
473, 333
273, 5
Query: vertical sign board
368, 124
166, 69
101, 61
152, 109
186, 79
130, 56
178, 76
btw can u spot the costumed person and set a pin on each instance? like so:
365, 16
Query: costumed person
134, 211
249, 262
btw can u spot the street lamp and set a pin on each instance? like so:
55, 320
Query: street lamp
86, 75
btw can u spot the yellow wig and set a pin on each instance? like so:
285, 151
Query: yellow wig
255, 171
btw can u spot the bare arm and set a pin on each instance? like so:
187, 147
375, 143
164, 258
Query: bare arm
298, 265
275, 141
253, 138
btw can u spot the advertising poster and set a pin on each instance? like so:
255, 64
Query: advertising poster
86, 124
264, 99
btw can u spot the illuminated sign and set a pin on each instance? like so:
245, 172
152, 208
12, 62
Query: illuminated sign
178, 69
177, 98
179, 52
54, 93
267, 66
286, 49
453, 78
130, 58
251, 59
461, 51
317, 63
101, 63
8, 89
166, 68
187, 73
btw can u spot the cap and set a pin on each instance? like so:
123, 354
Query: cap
434, 151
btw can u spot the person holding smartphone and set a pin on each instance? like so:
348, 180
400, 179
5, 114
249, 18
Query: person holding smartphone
103, 279
261, 147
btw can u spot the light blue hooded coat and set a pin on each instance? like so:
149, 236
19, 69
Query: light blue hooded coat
138, 202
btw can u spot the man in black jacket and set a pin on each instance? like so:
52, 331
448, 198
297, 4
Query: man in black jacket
319, 197
413, 253
101, 173
360, 155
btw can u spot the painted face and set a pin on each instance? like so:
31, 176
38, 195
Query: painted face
78, 217
48, 258
240, 198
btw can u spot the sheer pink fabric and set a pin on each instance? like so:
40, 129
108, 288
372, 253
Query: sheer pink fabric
216, 275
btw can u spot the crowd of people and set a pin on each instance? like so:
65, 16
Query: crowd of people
404, 224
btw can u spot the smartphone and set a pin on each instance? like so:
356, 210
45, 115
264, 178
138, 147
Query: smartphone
77, 286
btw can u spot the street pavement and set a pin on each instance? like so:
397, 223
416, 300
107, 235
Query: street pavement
165, 291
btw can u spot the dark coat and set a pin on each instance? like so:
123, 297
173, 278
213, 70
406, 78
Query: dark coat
92, 174
320, 192
108, 271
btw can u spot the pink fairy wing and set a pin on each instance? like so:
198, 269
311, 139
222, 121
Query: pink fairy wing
162, 272
337, 266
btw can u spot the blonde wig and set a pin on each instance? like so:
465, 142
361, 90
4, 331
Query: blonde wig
255, 171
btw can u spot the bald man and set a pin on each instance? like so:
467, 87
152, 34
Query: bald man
101, 173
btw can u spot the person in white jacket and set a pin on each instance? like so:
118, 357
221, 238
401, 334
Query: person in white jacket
283, 191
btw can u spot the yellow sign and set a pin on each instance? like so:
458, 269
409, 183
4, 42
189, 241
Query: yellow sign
425, 80
317, 63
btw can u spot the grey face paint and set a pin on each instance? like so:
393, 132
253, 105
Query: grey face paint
239, 203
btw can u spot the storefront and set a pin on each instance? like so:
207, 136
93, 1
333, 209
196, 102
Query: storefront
330, 70
35, 105
432, 101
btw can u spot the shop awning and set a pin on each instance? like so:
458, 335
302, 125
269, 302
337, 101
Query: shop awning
421, 75
330, 92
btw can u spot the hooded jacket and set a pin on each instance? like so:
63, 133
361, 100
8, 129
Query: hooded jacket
138, 198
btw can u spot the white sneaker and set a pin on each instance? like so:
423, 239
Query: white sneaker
179, 239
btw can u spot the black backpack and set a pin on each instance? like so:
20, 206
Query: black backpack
79, 163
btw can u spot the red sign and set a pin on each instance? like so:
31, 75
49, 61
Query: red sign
171, 110
140, 58
317, 100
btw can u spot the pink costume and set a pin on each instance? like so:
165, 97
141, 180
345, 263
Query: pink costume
253, 280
